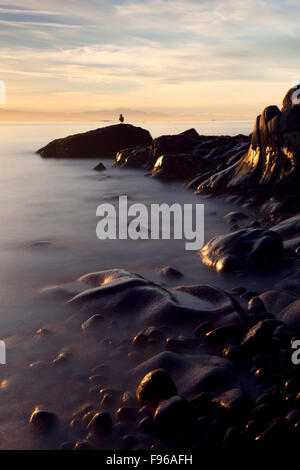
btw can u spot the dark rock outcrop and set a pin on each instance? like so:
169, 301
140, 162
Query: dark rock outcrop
273, 156
103, 142
136, 157
245, 249
185, 156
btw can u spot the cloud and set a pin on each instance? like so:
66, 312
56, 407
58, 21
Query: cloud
146, 47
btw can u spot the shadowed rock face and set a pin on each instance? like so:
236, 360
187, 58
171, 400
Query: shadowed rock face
114, 292
185, 156
103, 142
244, 249
273, 156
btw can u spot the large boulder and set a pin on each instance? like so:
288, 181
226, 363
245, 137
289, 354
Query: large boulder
250, 249
273, 156
103, 142
184, 142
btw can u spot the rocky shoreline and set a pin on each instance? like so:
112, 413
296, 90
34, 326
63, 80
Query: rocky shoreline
204, 369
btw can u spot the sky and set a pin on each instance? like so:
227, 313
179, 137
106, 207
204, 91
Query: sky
174, 59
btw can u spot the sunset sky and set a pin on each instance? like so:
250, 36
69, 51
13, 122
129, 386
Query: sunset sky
198, 59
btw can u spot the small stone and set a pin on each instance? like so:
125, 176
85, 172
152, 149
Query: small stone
43, 421
233, 353
42, 332
100, 167
223, 333
293, 417
253, 428
169, 271
101, 423
61, 358
275, 433
256, 305
259, 337
145, 425
126, 415
263, 376
157, 385
172, 415
93, 322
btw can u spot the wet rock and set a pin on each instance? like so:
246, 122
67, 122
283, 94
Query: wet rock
126, 414
223, 333
148, 336
235, 403
258, 338
251, 249
274, 433
194, 373
101, 424
172, 416
43, 421
61, 358
272, 159
171, 272
256, 305
263, 375
136, 157
275, 301
103, 142
146, 425
93, 322
233, 353
181, 344
39, 365
82, 411
293, 417
43, 332
157, 385
100, 167
177, 166
253, 428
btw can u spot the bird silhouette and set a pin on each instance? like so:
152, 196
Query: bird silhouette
121, 118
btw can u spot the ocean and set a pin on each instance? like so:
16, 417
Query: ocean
48, 237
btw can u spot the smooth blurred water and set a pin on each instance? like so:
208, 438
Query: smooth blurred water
55, 201
48, 236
